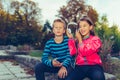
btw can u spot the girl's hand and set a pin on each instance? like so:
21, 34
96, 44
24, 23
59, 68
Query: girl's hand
56, 63
78, 36
69, 34
62, 73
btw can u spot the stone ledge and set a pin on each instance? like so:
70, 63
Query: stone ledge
3, 55
6, 57
27, 60
31, 61
12, 52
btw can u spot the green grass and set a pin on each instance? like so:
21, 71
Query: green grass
36, 53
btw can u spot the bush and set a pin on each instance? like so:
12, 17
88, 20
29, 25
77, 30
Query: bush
24, 48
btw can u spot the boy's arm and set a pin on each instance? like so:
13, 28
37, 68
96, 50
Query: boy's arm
66, 62
45, 55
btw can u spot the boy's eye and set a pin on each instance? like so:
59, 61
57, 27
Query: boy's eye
56, 27
84, 26
59, 27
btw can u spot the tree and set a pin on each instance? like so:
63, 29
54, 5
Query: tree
47, 27
21, 25
105, 33
110, 37
47, 33
102, 28
116, 34
27, 12
27, 15
1, 7
3, 15
77, 8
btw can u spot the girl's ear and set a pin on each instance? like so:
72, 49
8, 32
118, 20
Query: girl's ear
91, 27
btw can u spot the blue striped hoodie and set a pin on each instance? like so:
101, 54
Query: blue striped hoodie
59, 51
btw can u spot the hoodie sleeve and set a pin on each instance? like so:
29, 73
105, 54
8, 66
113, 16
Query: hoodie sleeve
90, 47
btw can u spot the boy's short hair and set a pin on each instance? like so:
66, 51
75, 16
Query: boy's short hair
59, 20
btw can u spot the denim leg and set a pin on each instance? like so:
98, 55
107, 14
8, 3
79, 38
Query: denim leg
39, 71
96, 73
41, 68
78, 73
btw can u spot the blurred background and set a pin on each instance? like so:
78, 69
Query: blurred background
26, 25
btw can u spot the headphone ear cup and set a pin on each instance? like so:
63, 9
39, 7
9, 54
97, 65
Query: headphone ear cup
69, 30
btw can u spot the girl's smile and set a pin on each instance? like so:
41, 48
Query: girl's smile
84, 28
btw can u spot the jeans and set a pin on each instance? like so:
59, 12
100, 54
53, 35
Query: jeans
93, 72
41, 68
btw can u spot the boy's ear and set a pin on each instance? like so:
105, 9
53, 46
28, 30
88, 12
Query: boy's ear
64, 31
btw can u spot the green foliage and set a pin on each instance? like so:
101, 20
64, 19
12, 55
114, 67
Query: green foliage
116, 33
102, 28
109, 35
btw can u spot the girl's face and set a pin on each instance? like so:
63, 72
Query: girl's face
58, 29
85, 28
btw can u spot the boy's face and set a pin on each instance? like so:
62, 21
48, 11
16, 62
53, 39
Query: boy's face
58, 29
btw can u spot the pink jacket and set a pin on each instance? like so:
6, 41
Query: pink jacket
88, 51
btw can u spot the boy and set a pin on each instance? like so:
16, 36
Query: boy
58, 48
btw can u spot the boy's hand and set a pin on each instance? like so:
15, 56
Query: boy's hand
56, 63
62, 73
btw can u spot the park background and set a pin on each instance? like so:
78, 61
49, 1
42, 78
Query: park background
25, 26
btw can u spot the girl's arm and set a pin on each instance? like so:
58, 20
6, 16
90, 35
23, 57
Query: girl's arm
71, 43
79, 37
72, 47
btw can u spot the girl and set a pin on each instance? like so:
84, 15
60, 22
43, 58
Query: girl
88, 62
